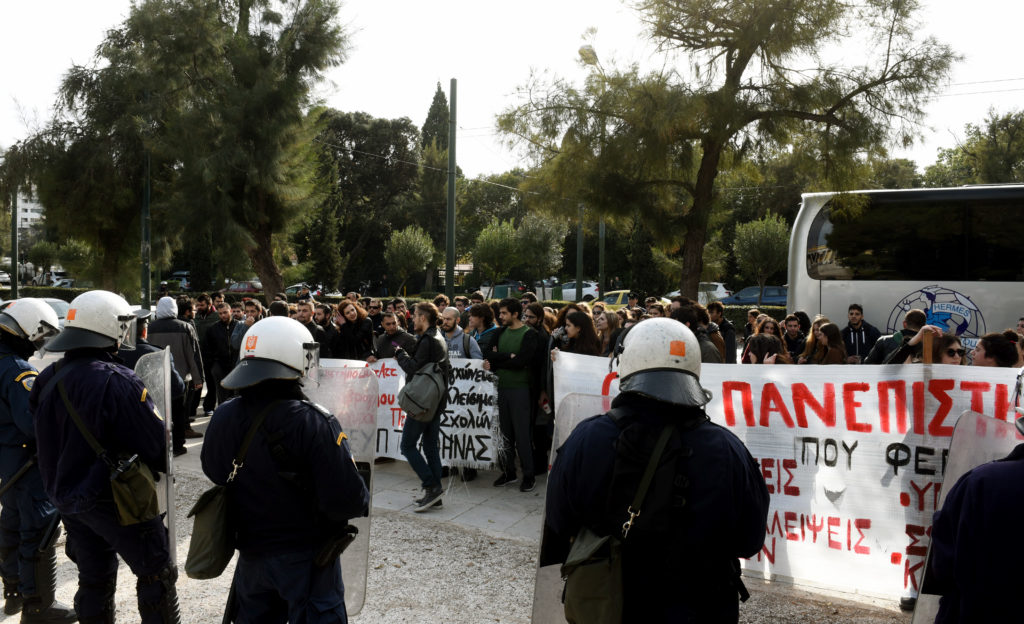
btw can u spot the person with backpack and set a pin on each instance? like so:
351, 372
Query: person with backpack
430, 347
460, 344
678, 532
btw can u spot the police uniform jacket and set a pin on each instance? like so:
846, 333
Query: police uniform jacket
298, 483
683, 571
16, 379
976, 553
115, 407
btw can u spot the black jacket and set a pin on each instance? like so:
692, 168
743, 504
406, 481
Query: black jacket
354, 341
430, 347
385, 346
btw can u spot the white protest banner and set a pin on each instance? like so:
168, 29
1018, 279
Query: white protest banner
853, 457
469, 425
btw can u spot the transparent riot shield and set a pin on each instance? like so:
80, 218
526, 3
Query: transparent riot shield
351, 395
155, 371
547, 590
977, 440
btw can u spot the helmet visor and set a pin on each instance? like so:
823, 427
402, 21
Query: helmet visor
126, 328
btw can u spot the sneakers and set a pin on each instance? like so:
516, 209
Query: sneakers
504, 480
528, 484
431, 499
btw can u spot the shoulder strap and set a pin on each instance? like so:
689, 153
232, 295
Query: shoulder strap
239, 459
465, 344
61, 369
645, 482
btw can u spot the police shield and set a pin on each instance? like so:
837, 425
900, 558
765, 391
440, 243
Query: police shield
977, 440
547, 590
155, 371
351, 395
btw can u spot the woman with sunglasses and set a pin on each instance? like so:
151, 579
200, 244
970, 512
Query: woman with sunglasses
946, 348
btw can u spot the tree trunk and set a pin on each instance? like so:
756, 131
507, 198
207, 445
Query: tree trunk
261, 255
697, 221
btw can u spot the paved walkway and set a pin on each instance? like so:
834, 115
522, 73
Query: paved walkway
503, 512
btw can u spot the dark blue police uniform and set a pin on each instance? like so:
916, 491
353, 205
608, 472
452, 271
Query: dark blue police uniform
297, 487
113, 403
687, 569
976, 553
25, 511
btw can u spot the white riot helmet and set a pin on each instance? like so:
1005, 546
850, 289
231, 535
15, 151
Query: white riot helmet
660, 359
97, 319
30, 319
274, 348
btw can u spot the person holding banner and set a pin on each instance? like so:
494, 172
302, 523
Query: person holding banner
703, 507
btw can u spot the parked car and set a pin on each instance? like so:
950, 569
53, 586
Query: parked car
707, 292
773, 295
184, 279
616, 299
65, 282
5, 279
590, 290
59, 306
292, 290
246, 286
515, 287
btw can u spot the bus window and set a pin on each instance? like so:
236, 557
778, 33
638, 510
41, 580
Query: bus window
903, 237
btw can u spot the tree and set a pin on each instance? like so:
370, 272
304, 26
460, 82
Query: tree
244, 73
435, 128
408, 252
989, 154
656, 142
539, 240
762, 248
496, 250
365, 178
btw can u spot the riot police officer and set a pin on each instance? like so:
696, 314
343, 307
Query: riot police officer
705, 507
27, 518
90, 391
296, 488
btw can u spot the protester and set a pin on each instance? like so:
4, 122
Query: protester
374, 312
765, 349
222, 356
993, 349
814, 345
541, 387
794, 339
355, 332
748, 329
482, 327
582, 336
834, 351
460, 344
206, 316
859, 335
608, 331
304, 315
429, 347
510, 358
180, 336
393, 338
716, 312
688, 315
885, 346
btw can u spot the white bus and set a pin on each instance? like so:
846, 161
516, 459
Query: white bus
956, 253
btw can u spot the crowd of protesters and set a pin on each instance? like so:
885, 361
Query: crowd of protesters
519, 338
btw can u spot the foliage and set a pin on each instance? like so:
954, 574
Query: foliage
645, 275
485, 200
435, 128
496, 250
409, 251
539, 240
991, 153
655, 142
761, 248
364, 184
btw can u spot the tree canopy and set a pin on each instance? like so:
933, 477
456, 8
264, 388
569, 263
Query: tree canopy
758, 76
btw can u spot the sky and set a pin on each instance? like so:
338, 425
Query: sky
401, 49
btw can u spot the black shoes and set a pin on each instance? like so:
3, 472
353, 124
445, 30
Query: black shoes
12, 597
178, 452
504, 480
431, 499
528, 484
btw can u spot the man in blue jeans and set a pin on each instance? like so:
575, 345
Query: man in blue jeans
430, 347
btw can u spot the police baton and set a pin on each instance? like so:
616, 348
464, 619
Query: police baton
51, 534
21, 473
231, 610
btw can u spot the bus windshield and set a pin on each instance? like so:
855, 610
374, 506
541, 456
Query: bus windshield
901, 236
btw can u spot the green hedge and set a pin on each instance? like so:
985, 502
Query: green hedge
738, 313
